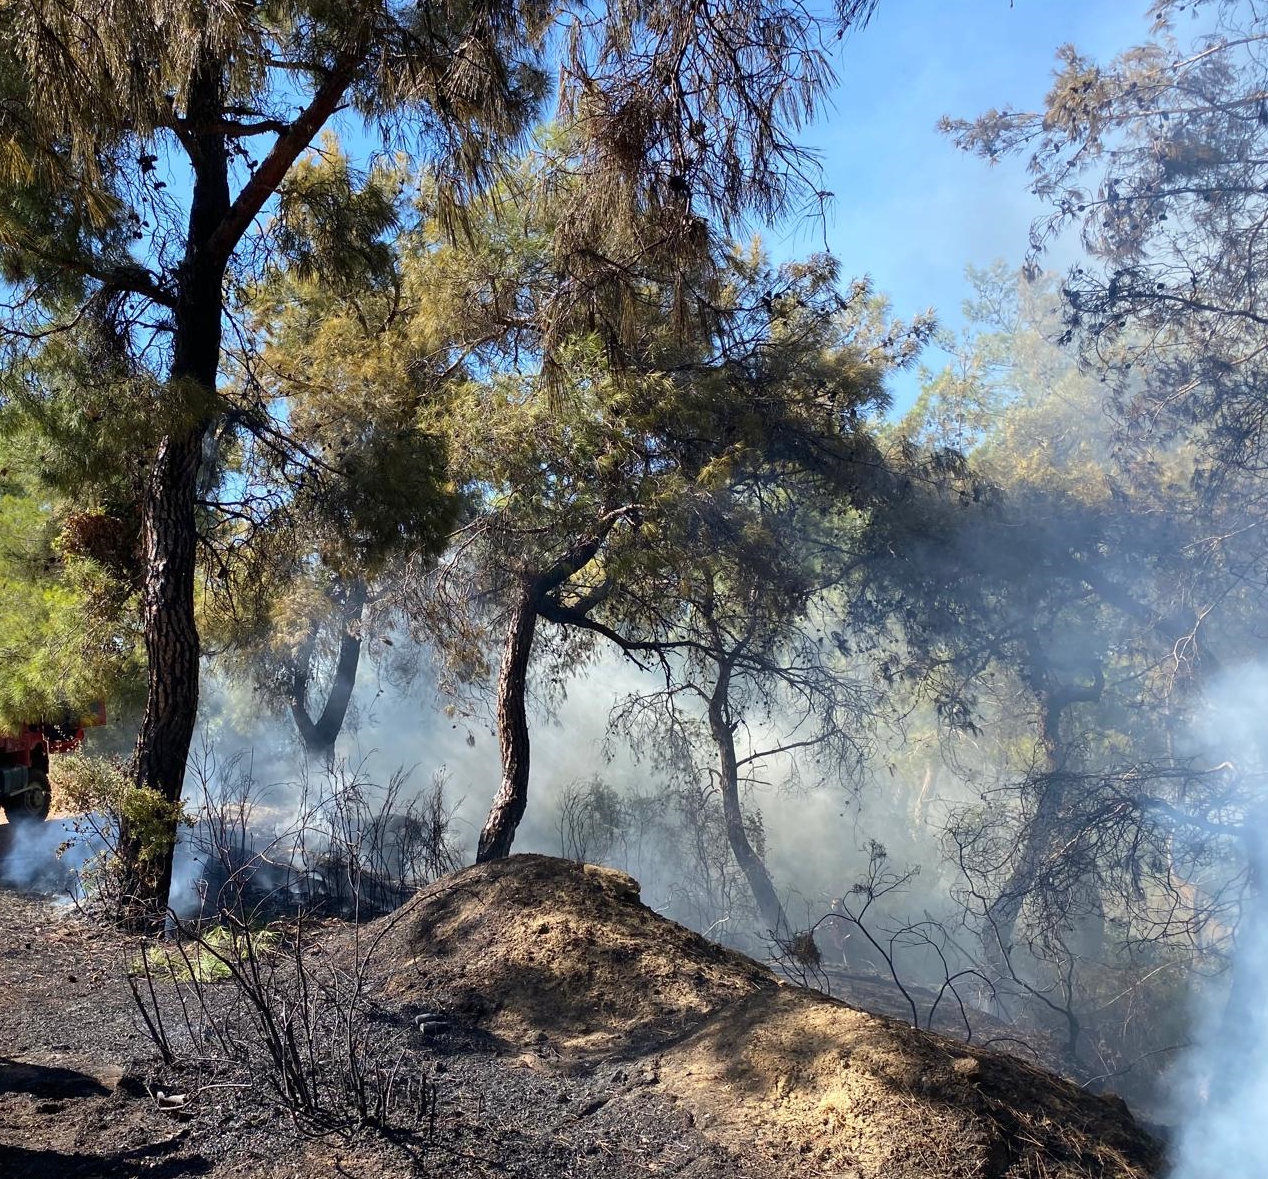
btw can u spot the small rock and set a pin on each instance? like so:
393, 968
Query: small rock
592, 1106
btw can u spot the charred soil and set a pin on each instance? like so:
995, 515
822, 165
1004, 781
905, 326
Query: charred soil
543, 1022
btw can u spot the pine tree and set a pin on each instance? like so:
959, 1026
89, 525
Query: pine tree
134, 185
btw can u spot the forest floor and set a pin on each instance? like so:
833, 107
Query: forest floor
570, 1031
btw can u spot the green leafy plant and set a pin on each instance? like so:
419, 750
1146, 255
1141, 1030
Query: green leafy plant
107, 801
208, 957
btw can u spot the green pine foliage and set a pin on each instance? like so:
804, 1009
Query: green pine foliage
67, 616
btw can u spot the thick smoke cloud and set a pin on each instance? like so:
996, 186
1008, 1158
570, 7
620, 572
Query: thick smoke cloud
817, 834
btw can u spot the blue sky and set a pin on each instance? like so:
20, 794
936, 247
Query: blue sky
910, 209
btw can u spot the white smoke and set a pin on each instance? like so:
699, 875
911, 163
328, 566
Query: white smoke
46, 858
1222, 1097
814, 830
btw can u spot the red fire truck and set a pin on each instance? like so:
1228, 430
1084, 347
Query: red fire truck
24, 790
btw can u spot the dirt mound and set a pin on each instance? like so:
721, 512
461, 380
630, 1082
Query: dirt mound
533, 948
863, 1095
548, 954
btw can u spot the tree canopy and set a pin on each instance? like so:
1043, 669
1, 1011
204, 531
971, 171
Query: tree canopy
134, 183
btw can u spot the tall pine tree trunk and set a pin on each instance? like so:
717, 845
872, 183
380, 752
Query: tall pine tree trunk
512, 717
169, 526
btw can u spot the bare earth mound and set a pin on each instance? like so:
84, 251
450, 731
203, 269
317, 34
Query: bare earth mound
563, 959
536, 948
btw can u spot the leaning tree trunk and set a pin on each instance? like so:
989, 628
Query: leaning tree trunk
169, 526
759, 881
319, 735
512, 716
528, 606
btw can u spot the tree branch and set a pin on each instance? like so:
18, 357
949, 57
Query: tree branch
297, 136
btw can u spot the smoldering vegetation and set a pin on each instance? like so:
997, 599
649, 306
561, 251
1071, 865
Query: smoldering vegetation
1001, 771
621, 555
330, 843
1030, 826
1029, 823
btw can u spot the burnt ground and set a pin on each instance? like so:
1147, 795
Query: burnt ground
583, 1035
82, 1092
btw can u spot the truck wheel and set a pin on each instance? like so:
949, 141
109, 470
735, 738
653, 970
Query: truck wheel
33, 803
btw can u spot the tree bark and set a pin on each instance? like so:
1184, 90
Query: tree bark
759, 881
172, 652
168, 524
512, 716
